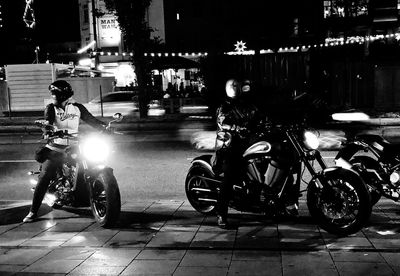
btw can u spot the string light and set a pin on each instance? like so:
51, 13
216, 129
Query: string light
29, 14
328, 43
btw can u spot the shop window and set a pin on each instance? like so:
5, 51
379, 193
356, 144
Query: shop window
345, 8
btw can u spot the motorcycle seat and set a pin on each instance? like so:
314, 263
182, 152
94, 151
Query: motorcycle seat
380, 143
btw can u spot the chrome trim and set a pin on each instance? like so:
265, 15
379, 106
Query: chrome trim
209, 179
201, 190
261, 147
208, 199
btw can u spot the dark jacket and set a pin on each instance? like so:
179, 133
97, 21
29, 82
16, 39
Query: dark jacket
233, 116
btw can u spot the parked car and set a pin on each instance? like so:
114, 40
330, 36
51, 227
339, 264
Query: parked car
124, 102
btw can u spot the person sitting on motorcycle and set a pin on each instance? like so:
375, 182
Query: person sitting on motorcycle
234, 117
65, 114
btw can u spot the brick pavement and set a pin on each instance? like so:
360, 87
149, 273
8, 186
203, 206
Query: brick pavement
170, 238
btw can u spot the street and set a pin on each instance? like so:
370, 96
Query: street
158, 232
147, 166
151, 170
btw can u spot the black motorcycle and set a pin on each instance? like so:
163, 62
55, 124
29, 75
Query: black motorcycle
374, 158
377, 161
84, 180
337, 198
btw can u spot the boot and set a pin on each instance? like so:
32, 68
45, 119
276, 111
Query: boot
31, 217
222, 222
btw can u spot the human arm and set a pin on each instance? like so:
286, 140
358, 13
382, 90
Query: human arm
88, 118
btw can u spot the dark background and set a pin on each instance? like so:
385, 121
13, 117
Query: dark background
56, 22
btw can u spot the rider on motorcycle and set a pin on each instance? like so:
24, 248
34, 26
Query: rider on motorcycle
234, 117
65, 114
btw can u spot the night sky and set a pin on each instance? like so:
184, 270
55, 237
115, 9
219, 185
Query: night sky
57, 20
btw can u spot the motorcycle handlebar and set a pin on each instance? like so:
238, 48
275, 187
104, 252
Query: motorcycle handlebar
61, 134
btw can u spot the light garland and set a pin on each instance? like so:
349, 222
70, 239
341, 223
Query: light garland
29, 14
328, 43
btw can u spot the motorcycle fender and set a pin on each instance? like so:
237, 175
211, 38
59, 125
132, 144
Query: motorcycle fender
348, 151
95, 171
204, 161
337, 169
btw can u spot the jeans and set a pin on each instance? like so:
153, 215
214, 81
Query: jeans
48, 172
231, 167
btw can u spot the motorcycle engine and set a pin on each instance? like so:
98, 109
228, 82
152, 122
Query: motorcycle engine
63, 186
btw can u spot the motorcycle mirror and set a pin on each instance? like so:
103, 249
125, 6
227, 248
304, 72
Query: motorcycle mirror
350, 116
118, 117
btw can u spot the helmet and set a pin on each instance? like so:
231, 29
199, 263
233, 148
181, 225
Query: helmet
61, 89
232, 88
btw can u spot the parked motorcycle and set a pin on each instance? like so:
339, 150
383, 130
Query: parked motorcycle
337, 198
376, 160
84, 180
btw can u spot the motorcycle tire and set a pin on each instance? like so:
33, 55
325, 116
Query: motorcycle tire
369, 163
105, 199
195, 197
343, 207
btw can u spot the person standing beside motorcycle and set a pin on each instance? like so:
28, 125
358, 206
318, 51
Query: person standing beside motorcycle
65, 114
235, 118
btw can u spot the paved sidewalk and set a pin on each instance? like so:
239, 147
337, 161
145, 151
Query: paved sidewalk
170, 238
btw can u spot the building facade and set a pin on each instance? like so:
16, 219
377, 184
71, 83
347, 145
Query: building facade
100, 32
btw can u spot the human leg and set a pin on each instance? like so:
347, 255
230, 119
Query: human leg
47, 173
230, 169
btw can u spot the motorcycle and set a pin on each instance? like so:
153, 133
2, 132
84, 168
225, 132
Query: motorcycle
375, 159
84, 180
337, 198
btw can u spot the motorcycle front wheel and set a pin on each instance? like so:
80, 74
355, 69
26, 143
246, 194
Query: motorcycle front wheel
342, 205
105, 199
200, 194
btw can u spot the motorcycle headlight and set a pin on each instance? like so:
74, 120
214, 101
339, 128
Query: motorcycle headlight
95, 149
311, 140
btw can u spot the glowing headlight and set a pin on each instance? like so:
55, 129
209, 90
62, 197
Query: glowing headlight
95, 149
311, 140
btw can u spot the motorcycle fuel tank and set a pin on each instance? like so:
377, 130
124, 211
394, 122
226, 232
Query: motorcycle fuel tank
258, 148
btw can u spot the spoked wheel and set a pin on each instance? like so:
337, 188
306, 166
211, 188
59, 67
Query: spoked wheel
343, 207
361, 163
201, 195
105, 199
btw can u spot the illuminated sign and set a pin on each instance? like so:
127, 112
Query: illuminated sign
109, 31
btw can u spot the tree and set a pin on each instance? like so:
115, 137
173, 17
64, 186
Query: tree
136, 32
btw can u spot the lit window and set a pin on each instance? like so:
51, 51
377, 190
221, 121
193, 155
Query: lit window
352, 8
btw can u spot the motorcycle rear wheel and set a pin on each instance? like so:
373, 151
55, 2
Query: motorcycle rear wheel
202, 202
361, 161
342, 209
105, 200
